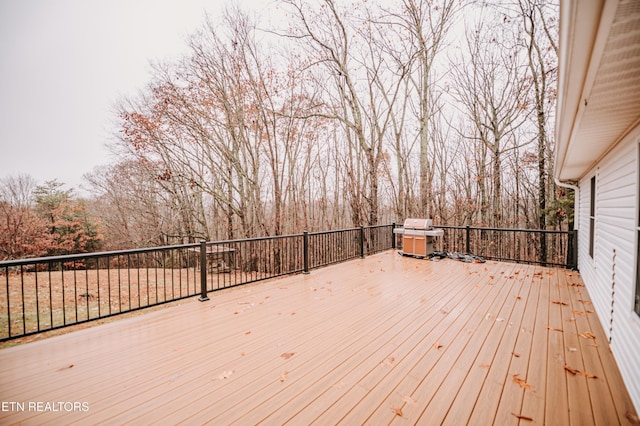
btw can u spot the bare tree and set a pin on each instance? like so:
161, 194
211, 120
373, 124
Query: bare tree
427, 22
542, 54
493, 90
354, 54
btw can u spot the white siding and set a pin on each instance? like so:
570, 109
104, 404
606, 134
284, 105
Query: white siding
610, 275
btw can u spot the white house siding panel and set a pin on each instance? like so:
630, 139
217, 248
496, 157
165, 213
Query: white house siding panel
610, 275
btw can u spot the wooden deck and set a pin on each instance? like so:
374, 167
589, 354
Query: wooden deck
386, 339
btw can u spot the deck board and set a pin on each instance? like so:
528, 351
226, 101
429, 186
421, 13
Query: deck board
386, 339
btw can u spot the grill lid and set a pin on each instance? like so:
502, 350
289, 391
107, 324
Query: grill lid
413, 223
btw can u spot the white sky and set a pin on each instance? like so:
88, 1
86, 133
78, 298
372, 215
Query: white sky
65, 63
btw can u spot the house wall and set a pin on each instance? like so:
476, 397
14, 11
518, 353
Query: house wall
610, 276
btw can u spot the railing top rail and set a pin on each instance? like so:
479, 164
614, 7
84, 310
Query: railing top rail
78, 256
481, 228
331, 232
84, 256
244, 240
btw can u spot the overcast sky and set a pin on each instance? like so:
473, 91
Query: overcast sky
65, 63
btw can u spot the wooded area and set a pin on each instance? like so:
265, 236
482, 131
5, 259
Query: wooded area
348, 113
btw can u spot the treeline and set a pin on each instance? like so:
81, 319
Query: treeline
350, 113
44, 220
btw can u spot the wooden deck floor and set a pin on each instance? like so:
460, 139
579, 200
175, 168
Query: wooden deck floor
387, 339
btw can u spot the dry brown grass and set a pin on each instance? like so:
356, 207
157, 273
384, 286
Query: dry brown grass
45, 300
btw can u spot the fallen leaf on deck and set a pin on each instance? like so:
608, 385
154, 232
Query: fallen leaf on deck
553, 329
522, 383
529, 419
225, 374
578, 313
437, 346
389, 361
588, 375
65, 368
293, 313
559, 302
584, 302
589, 311
283, 377
287, 355
588, 335
518, 297
397, 410
499, 319
580, 372
517, 355
246, 333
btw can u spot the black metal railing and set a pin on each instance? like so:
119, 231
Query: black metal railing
543, 247
47, 293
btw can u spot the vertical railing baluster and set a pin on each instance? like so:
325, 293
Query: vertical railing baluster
64, 307
6, 275
37, 296
108, 266
203, 271
75, 289
468, 239
305, 251
117, 259
24, 316
50, 296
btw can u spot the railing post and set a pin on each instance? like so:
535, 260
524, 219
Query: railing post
203, 271
468, 239
305, 251
361, 242
393, 236
572, 250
